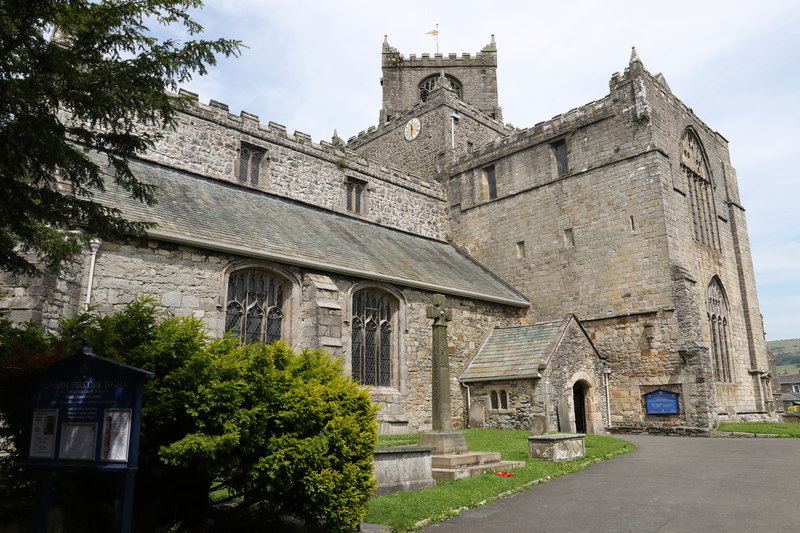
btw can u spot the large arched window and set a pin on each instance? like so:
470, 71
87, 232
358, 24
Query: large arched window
372, 347
717, 305
254, 308
427, 85
700, 190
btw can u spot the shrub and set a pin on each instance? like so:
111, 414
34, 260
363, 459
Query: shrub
278, 431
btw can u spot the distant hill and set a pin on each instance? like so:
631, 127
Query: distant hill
787, 354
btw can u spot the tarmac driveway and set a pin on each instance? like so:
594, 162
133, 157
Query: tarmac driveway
670, 484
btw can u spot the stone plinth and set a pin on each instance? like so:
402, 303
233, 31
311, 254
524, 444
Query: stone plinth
558, 447
403, 468
444, 442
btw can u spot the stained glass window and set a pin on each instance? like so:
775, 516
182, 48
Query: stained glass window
372, 346
717, 305
254, 308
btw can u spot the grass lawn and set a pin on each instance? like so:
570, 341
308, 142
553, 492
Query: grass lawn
773, 428
405, 510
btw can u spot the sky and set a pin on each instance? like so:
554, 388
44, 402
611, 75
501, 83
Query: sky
315, 66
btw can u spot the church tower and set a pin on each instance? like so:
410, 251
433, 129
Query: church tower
408, 80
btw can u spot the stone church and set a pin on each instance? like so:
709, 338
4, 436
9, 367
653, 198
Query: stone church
596, 265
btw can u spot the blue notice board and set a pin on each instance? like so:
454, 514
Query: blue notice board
662, 402
85, 414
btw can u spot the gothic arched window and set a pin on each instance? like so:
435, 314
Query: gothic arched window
427, 85
254, 308
700, 190
372, 347
717, 306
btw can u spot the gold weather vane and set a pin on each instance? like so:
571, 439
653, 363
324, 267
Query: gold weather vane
435, 33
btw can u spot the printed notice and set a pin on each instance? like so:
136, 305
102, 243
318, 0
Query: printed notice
78, 441
116, 435
43, 433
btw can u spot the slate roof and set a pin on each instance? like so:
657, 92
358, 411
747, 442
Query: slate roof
224, 217
788, 379
516, 352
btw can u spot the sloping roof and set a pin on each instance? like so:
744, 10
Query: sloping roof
790, 397
516, 352
224, 217
786, 379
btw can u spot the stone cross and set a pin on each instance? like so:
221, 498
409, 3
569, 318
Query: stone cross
441, 416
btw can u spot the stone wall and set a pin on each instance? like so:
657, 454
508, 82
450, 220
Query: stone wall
183, 281
207, 140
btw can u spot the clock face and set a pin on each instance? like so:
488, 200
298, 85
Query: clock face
412, 129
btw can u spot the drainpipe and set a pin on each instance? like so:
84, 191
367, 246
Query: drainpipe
606, 373
94, 245
469, 402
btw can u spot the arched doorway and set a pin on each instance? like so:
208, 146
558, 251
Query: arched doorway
579, 403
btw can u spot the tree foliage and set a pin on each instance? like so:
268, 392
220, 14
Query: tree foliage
276, 431
85, 72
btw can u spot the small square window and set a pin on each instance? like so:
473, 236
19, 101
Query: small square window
521, 250
355, 195
569, 238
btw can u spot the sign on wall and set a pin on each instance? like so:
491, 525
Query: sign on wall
662, 402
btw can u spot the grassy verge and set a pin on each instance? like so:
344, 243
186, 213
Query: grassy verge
770, 428
405, 511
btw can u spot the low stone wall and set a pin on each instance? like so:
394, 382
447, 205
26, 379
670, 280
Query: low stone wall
558, 447
402, 469
678, 431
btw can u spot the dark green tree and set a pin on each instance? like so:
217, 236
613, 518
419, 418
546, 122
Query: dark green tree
75, 74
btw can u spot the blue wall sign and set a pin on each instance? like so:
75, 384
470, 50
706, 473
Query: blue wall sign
662, 402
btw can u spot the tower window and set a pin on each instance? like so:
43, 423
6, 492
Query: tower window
428, 84
521, 250
569, 238
248, 166
490, 181
560, 153
717, 308
701, 191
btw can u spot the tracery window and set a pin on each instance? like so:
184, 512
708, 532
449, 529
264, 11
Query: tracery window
427, 85
372, 347
700, 190
249, 164
717, 306
254, 308
355, 195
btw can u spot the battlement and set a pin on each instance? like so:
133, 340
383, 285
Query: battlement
542, 131
419, 108
393, 58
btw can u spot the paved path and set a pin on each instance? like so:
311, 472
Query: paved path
670, 484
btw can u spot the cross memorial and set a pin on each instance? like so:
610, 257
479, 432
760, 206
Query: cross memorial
442, 439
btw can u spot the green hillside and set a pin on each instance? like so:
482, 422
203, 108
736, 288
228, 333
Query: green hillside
787, 354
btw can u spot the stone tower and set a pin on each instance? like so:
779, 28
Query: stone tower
408, 80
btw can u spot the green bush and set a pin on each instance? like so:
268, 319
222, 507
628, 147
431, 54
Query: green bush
279, 432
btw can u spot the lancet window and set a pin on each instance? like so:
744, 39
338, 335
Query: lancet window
373, 346
717, 306
254, 308
700, 190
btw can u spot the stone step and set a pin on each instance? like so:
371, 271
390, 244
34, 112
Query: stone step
456, 460
451, 474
